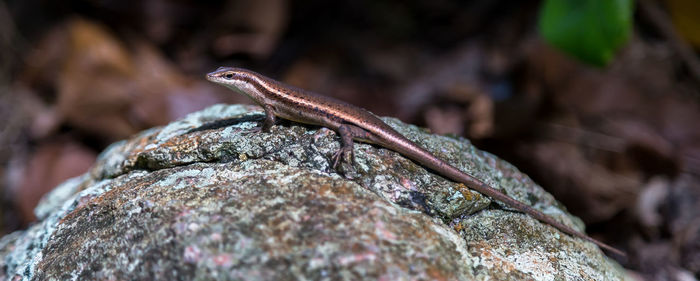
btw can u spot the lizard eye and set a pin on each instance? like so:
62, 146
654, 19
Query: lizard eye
228, 75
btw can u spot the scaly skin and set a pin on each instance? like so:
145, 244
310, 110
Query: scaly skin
355, 123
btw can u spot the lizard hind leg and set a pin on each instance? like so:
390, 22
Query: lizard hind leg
348, 133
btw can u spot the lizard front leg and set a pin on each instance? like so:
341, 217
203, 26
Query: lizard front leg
270, 118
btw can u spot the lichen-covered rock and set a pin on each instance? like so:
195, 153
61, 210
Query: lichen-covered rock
196, 201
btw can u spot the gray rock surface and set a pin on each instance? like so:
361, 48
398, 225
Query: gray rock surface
223, 203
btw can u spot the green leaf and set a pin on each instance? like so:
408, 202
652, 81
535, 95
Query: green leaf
590, 30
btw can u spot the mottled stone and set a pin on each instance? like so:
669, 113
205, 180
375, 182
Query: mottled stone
187, 202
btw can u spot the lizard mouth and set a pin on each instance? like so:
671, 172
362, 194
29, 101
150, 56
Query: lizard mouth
211, 76
220, 74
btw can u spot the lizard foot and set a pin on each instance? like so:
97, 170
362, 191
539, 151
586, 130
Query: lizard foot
343, 153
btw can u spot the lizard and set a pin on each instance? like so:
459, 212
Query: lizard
354, 123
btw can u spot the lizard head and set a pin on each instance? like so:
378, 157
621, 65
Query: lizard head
238, 79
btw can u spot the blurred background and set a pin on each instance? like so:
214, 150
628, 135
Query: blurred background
597, 100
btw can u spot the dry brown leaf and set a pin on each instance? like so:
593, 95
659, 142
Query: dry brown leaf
109, 90
94, 86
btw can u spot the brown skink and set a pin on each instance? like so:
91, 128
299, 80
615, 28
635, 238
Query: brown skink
355, 123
